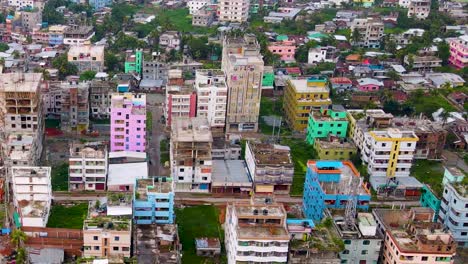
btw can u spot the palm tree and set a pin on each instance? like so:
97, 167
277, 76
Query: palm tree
445, 116
21, 256
18, 237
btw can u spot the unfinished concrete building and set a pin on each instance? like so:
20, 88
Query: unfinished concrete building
21, 150
190, 154
100, 98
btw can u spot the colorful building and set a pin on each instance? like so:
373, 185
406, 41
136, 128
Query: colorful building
333, 148
430, 199
153, 201
459, 52
330, 120
329, 184
285, 50
128, 122
134, 62
302, 96
369, 85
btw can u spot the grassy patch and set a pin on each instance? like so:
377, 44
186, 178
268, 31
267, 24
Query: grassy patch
149, 122
181, 20
68, 216
197, 221
429, 172
60, 177
272, 107
164, 150
428, 104
52, 123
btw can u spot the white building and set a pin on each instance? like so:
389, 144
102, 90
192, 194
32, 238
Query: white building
195, 5
404, 3
19, 4
322, 54
453, 211
233, 10
32, 192
211, 89
419, 8
170, 40
88, 167
256, 232
21, 150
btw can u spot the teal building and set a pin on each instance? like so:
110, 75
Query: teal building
134, 62
330, 120
430, 199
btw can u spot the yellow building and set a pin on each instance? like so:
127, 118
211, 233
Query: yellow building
301, 96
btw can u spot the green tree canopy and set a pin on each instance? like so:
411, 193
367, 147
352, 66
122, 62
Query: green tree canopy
87, 75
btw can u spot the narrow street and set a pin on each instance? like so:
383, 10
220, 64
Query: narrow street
155, 104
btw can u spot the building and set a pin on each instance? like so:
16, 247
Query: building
410, 237
243, 65
208, 246
153, 201
195, 5
286, 50
77, 35
453, 9
225, 148
422, 63
87, 167
87, 57
301, 97
322, 54
106, 236
329, 120
369, 85
100, 98
341, 84
331, 184
170, 40
31, 19
212, 93
459, 47
24, 4
419, 9
190, 154
159, 243
181, 98
231, 177
99, 4
429, 198
21, 150
256, 232
233, 10
370, 30
333, 148
134, 62
32, 193
203, 17
56, 34
364, 3
155, 69
270, 167
128, 122
125, 167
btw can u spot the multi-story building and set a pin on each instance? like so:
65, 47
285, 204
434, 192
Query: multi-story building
170, 40
331, 184
56, 34
153, 201
181, 98
190, 154
87, 57
334, 148
329, 120
195, 5
243, 65
21, 150
301, 97
99, 4
204, 17
21, 4
32, 192
77, 35
422, 63
87, 167
106, 236
134, 61
322, 54
285, 50
100, 98
211, 89
31, 19
371, 32
411, 237
341, 84
419, 9
233, 10
256, 232
155, 69
270, 167
128, 122
459, 51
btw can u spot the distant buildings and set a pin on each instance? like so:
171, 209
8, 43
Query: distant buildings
234, 10
423, 63
153, 201
170, 40
322, 54
99, 4
329, 120
87, 57
77, 35
100, 98
88, 167
134, 62
370, 32
203, 17
285, 50
458, 47
419, 9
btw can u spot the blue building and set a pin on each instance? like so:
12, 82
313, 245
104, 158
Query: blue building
153, 201
328, 185
99, 4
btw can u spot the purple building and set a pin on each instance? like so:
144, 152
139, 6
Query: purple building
128, 122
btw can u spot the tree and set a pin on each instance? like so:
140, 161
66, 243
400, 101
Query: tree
51, 15
393, 75
302, 53
21, 256
3, 47
87, 75
18, 237
445, 115
111, 61
356, 36
64, 67
443, 50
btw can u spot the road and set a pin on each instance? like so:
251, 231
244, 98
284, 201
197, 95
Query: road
155, 104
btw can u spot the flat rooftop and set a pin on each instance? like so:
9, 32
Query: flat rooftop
417, 125
207, 243
271, 154
193, 129
262, 232
95, 150
126, 173
30, 172
335, 143
20, 82
153, 185
300, 85
230, 173
391, 133
107, 223
33, 208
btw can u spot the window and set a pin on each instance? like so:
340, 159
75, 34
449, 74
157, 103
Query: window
181, 170
181, 178
345, 252
115, 248
364, 252
116, 238
424, 258
96, 247
366, 242
95, 238
347, 242
125, 249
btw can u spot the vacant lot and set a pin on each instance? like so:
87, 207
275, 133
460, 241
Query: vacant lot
431, 173
68, 216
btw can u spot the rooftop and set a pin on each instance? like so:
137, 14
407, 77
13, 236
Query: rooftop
34, 208
20, 82
126, 173
30, 172
271, 154
417, 124
391, 133
194, 129
88, 150
304, 86
207, 243
106, 223
230, 173
153, 185
335, 143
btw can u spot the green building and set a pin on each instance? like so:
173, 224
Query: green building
268, 78
330, 120
429, 199
134, 62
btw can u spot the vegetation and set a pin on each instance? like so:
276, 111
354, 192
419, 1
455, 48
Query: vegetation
430, 173
428, 103
60, 177
3, 47
164, 150
149, 122
62, 216
87, 75
52, 123
64, 67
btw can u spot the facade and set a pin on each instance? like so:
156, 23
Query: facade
341, 84
153, 201
419, 9
423, 63
369, 85
203, 17
195, 5
322, 54
243, 65
330, 184
99, 4
270, 167
170, 40
100, 93
134, 62
77, 35
233, 10
410, 237
31, 19
256, 232
155, 69
87, 57
190, 154
21, 150
330, 120
128, 122
285, 50
181, 99
371, 32
429, 199
56, 34
211, 89
32, 192
231, 178
87, 167
459, 51
333, 148
301, 97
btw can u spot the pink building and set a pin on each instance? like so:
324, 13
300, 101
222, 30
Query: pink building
128, 122
285, 49
369, 85
459, 52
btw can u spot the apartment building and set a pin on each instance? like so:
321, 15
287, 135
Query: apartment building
212, 94
181, 98
301, 97
422, 63
453, 211
87, 167
270, 167
331, 184
322, 54
21, 150
459, 51
100, 93
233, 10
419, 9
56, 34
286, 50
361, 121
370, 30
134, 61
77, 35
243, 65
204, 17
256, 232
195, 5
20, 4
406, 37
411, 237
170, 40
106, 236
334, 148
329, 120
87, 57
153, 201
31, 19
155, 69
190, 154
128, 122
32, 195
